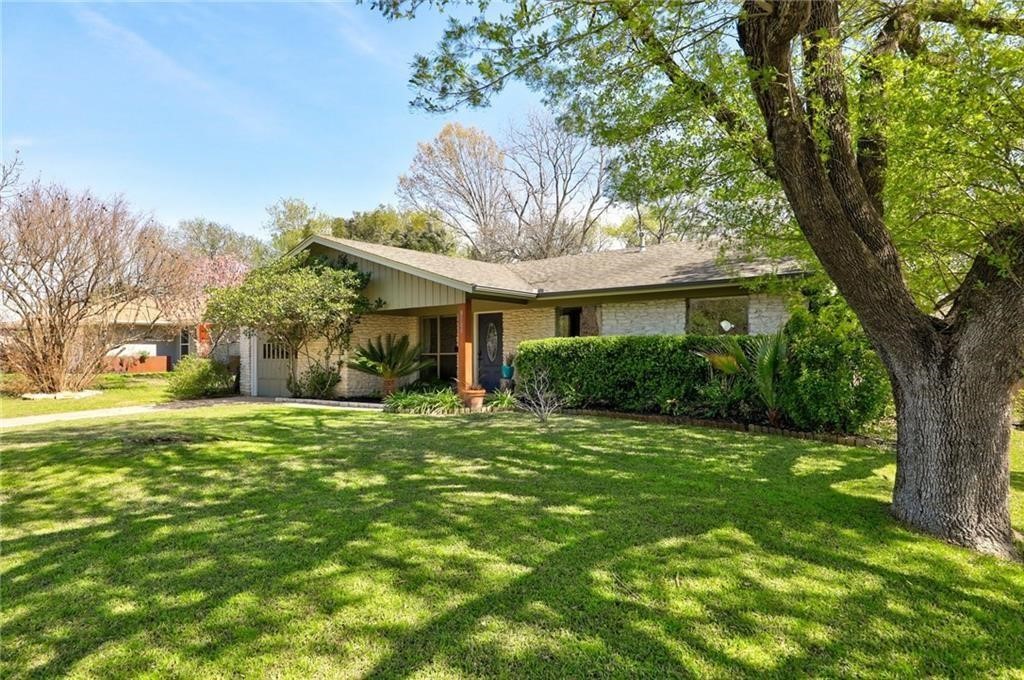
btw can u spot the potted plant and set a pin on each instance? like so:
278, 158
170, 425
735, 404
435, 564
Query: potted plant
390, 360
508, 368
473, 397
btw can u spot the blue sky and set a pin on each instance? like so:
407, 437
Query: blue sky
219, 109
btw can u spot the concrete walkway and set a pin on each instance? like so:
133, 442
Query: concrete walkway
125, 411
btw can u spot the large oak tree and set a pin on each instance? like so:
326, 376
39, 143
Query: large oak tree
888, 136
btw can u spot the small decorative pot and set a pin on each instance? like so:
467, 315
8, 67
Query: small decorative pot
507, 371
474, 398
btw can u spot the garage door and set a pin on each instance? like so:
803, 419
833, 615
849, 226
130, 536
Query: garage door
272, 373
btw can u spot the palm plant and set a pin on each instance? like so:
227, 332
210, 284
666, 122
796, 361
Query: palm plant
768, 352
389, 359
761, 362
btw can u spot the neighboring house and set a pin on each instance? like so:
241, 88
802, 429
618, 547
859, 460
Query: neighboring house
467, 315
164, 342
169, 342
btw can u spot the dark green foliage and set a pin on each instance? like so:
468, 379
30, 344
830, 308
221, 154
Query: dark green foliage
196, 377
389, 358
832, 379
645, 374
429, 384
316, 382
436, 402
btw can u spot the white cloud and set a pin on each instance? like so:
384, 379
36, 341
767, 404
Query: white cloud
162, 66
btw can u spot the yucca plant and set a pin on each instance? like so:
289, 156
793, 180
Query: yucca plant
389, 359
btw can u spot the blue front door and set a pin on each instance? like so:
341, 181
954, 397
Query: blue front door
488, 353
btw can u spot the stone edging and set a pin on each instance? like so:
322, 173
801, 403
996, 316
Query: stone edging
841, 439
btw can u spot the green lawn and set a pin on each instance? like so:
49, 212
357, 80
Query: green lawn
243, 540
119, 389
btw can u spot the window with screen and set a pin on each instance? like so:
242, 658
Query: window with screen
717, 316
439, 336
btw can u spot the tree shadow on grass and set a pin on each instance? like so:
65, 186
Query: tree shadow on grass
375, 545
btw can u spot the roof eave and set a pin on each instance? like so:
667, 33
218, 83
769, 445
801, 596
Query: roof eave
505, 292
657, 288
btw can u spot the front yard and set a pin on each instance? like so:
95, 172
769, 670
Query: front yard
116, 389
245, 540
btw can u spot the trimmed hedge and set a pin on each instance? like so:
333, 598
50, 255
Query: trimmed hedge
831, 380
640, 374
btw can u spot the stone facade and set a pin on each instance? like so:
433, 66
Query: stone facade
525, 324
356, 384
590, 320
652, 317
767, 314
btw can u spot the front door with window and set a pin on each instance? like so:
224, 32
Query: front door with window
488, 355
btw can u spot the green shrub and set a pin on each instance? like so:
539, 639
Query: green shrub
430, 403
502, 400
316, 382
195, 377
1018, 407
825, 375
644, 374
832, 380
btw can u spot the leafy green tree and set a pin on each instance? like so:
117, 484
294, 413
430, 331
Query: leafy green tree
413, 229
213, 240
291, 220
308, 305
881, 139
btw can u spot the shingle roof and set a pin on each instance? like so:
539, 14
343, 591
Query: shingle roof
680, 263
470, 272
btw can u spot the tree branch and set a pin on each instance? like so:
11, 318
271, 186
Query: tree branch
953, 12
730, 120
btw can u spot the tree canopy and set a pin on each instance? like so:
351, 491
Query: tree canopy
538, 192
667, 86
389, 226
310, 305
215, 240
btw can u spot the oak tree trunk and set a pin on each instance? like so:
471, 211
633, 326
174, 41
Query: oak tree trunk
952, 458
953, 376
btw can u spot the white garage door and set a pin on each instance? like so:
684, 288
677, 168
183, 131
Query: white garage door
272, 374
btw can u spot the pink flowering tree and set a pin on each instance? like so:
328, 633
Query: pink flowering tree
204, 275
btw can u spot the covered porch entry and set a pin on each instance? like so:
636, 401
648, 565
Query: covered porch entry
469, 342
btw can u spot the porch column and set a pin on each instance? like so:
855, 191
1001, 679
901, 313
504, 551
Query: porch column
465, 339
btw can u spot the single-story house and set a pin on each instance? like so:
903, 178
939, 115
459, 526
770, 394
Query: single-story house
468, 315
